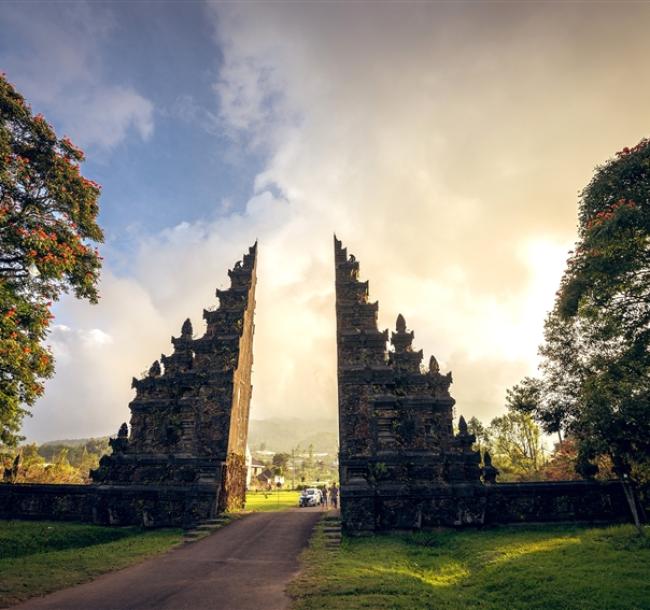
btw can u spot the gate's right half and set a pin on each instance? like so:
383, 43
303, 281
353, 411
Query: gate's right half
401, 465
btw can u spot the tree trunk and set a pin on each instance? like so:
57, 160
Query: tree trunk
631, 500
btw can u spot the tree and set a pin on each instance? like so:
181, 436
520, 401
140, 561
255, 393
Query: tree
280, 461
561, 465
47, 227
605, 293
476, 427
515, 445
546, 399
596, 355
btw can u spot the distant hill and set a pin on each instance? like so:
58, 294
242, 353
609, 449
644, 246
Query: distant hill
74, 442
284, 434
276, 434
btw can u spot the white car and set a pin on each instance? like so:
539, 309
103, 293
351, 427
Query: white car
311, 496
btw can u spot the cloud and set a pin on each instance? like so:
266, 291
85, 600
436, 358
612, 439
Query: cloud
58, 66
447, 154
110, 113
444, 143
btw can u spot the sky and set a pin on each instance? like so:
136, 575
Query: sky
446, 144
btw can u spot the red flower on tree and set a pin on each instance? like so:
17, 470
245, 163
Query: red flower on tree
43, 253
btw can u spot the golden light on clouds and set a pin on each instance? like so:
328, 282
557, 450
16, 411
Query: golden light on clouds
446, 145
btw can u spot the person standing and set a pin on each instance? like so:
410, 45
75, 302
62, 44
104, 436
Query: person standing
334, 495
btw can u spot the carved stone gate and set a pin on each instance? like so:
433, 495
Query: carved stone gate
189, 418
398, 450
402, 466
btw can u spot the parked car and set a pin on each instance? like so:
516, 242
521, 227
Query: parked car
310, 497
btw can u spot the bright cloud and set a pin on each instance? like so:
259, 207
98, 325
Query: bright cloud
445, 144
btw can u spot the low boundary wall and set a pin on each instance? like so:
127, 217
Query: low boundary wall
146, 505
367, 509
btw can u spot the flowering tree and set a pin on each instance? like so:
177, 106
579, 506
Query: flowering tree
595, 383
605, 298
48, 216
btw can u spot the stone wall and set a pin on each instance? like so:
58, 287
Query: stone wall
51, 502
394, 507
386, 507
145, 505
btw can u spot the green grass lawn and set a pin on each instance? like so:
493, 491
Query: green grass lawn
262, 501
38, 557
554, 567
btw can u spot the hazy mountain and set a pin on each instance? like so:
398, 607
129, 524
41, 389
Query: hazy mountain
284, 434
74, 442
276, 434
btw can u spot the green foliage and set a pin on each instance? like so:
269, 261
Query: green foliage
37, 557
47, 224
82, 456
514, 443
280, 461
524, 397
56, 462
595, 383
532, 568
515, 446
611, 265
476, 427
564, 357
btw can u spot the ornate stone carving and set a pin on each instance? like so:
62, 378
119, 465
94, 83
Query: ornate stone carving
189, 422
488, 471
462, 426
394, 419
186, 330
154, 370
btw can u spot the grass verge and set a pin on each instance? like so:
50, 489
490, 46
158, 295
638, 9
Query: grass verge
279, 499
550, 567
38, 557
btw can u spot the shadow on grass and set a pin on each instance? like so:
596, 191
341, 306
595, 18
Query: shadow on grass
505, 568
40, 557
22, 538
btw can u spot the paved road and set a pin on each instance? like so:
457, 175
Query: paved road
244, 566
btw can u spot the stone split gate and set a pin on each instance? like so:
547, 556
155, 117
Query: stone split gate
402, 466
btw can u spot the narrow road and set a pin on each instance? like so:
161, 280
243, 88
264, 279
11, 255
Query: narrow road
244, 566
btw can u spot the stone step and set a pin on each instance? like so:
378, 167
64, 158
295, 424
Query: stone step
216, 520
332, 531
193, 536
208, 524
208, 527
